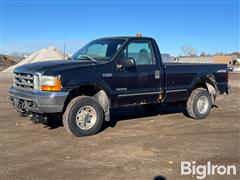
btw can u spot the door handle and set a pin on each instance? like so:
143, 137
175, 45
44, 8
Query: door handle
157, 74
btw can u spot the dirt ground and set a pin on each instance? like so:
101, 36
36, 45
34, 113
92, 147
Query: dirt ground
7, 61
138, 144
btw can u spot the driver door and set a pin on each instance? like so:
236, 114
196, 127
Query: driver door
142, 81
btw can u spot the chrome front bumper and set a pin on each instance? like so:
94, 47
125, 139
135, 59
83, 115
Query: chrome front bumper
38, 102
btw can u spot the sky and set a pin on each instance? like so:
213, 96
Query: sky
208, 26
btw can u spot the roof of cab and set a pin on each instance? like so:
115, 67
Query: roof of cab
125, 37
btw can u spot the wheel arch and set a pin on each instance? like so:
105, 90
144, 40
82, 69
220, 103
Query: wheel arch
94, 90
207, 82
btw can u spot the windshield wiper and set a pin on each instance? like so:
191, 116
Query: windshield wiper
89, 57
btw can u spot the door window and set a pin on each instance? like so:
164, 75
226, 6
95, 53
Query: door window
141, 52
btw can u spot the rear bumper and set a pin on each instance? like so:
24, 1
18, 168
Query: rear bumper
38, 102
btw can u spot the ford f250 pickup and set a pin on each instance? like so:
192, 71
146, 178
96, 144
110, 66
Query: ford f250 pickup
113, 72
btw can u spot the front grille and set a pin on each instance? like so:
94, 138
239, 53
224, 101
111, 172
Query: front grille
23, 81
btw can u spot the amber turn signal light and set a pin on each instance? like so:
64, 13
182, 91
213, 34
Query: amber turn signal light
54, 88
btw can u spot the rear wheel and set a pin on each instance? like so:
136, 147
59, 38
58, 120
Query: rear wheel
83, 116
199, 103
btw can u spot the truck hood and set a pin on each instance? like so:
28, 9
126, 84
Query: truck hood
54, 65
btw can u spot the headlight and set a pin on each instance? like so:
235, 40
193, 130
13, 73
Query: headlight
50, 83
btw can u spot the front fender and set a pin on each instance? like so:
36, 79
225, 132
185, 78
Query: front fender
71, 84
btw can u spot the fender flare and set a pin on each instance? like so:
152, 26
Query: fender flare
103, 96
210, 83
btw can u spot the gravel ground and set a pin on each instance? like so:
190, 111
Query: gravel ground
138, 144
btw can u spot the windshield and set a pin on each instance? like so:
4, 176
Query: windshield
98, 50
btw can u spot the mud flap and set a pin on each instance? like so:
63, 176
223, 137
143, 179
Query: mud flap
103, 100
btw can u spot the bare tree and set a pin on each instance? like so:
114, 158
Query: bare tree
219, 54
203, 54
236, 53
17, 54
188, 50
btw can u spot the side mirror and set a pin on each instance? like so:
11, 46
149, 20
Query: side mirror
128, 62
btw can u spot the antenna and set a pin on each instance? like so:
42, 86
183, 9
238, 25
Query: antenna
64, 44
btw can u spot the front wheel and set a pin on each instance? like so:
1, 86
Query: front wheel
199, 103
83, 116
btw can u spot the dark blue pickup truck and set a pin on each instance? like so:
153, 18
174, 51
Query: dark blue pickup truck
113, 72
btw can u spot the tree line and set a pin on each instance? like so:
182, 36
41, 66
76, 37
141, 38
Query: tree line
188, 50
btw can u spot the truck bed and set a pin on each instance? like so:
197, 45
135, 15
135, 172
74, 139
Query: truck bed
180, 78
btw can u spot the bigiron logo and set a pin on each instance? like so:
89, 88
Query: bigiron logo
200, 171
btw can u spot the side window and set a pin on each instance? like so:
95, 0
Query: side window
141, 52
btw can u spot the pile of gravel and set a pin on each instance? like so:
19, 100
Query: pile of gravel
45, 54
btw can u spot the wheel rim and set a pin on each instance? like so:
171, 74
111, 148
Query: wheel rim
202, 104
86, 117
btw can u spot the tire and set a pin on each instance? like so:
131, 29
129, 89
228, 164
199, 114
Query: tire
199, 104
83, 116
